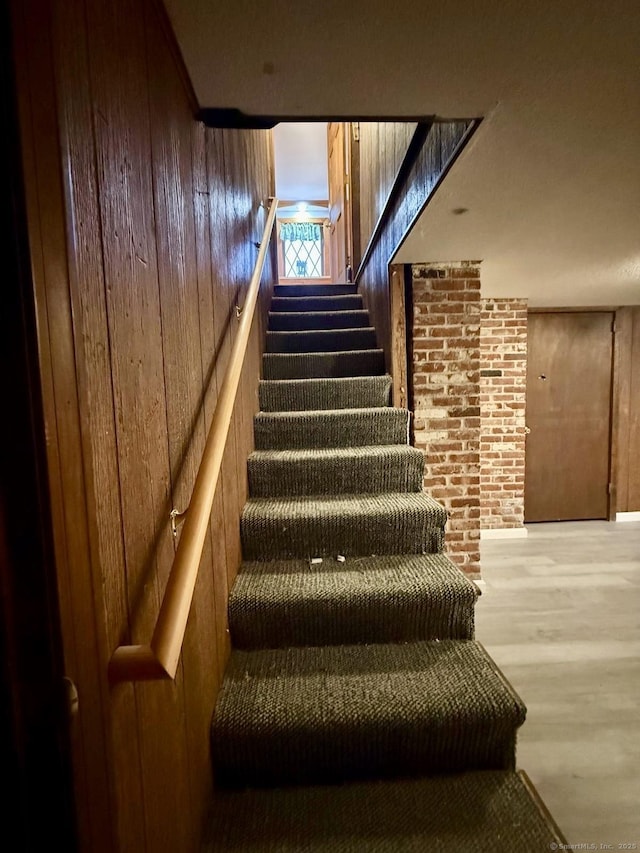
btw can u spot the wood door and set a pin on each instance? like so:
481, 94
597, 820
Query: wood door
338, 212
569, 371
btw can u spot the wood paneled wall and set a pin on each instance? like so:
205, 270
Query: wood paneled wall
627, 410
382, 147
141, 226
34, 753
443, 143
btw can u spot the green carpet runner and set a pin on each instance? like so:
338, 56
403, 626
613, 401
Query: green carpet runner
349, 302
299, 395
391, 599
338, 470
322, 340
356, 707
289, 321
280, 365
350, 525
331, 713
342, 428
307, 290
481, 812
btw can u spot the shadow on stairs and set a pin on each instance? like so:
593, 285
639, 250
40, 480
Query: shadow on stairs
357, 712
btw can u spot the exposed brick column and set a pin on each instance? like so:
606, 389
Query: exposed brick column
503, 382
446, 397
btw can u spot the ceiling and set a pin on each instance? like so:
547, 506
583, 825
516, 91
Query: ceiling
551, 180
301, 167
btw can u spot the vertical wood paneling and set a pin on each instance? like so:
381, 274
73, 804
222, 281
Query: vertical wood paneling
382, 149
214, 571
140, 254
633, 500
368, 183
171, 142
399, 367
122, 123
36, 56
217, 214
221, 211
121, 120
38, 799
239, 236
96, 392
626, 410
254, 218
356, 216
620, 411
385, 171
400, 209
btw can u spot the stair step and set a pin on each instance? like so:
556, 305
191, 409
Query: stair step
333, 713
348, 525
475, 812
340, 289
392, 599
338, 470
302, 321
315, 365
350, 302
335, 428
295, 395
323, 340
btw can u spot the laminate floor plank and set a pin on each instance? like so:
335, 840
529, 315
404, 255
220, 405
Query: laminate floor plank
560, 614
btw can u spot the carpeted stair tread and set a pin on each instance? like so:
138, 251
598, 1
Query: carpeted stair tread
315, 365
349, 302
349, 525
391, 599
333, 713
322, 340
301, 321
335, 428
486, 810
338, 470
340, 289
295, 395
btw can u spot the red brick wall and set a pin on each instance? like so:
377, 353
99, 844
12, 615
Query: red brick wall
503, 377
446, 397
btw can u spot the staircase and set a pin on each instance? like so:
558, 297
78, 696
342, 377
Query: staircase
357, 712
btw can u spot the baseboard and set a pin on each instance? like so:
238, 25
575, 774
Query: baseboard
628, 516
504, 533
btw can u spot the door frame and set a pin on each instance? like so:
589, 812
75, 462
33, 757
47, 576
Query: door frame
616, 415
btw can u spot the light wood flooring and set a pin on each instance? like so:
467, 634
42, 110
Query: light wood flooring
560, 615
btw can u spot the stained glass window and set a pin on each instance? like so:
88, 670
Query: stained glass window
302, 248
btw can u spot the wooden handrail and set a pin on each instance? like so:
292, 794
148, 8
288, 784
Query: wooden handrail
159, 660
